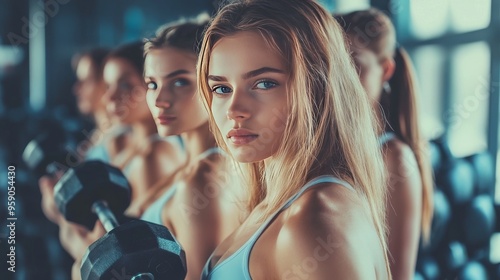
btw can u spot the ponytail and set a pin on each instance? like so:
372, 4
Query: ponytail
402, 117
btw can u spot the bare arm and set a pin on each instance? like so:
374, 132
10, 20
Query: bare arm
404, 209
161, 162
330, 236
193, 218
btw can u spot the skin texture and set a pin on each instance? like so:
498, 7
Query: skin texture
171, 79
404, 207
248, 96
328, 212
370, 73
203, 211
125, 94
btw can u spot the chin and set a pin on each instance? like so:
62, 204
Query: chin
84, 109
164, 132
247, 155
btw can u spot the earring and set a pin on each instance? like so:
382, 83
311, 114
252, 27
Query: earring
386, 87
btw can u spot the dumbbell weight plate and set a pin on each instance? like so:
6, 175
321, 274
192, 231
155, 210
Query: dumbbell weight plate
91, 181
133, 248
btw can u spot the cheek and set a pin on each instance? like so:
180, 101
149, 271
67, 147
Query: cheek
371, 79
197, 112
219, 113
151, 100
138, 95
86, 89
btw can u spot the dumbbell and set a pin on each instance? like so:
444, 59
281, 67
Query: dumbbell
457, 180
478, 222
428, 268
435, 156
494, 271
47, 152
136, 249
440, 220
482, 164
472, 270
418, 276
451, 258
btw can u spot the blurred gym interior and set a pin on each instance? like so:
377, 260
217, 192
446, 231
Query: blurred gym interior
455, 48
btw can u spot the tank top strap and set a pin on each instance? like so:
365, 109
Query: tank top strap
237, 262
308, 185
209, 152
386, 137
154, 211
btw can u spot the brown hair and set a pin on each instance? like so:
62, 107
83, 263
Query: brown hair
184, 35
131, 52
98, 58
372, 29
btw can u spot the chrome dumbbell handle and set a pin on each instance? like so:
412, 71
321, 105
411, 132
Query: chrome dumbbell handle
107, 218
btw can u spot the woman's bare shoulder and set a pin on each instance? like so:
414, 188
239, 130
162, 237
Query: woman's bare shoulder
329, 228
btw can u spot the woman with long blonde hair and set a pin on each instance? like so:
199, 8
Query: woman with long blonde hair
286, 103
386, 74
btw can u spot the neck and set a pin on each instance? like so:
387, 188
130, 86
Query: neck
102, 120
142, 130
198, 140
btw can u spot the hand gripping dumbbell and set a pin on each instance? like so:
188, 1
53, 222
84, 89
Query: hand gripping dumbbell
134, 250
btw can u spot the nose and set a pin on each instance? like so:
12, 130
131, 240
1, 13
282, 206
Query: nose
164, 99
239, 106
111, 94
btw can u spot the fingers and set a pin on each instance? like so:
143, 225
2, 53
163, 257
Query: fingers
48, 204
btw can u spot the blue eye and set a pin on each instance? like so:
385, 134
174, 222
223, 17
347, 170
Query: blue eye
152, 85
265, 85
181, 83
221, 90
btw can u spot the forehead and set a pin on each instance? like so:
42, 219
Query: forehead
166, 60
242, 52
84, 68
118, 68
364, 55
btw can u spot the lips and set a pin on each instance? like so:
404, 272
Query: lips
166, 119
112, 108
241, 136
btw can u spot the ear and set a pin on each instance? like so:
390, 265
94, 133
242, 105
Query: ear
389, 65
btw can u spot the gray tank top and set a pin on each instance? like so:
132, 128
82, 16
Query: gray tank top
236, 266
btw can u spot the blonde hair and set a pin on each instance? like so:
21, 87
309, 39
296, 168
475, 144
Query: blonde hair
372, 29
330, 127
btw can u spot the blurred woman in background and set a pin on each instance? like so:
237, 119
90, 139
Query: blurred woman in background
386, 73
145, 157
103, 142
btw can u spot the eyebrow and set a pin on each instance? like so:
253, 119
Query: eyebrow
173, 74
248, 75
125, 76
